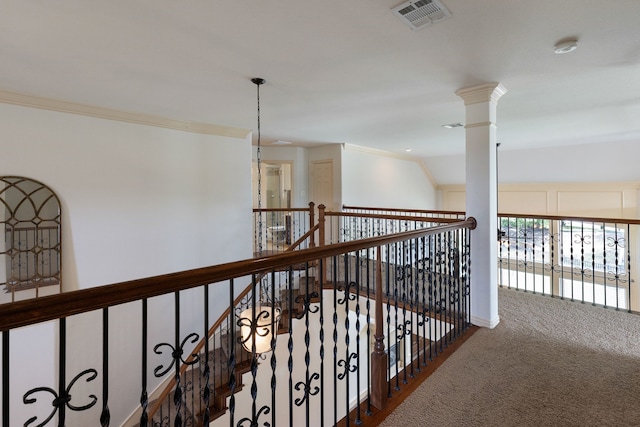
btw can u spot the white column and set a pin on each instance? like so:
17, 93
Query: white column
481, 193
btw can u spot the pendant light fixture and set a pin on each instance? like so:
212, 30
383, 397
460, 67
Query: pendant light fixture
258, 82
258, 324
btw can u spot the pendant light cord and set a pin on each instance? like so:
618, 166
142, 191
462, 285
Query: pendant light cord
258, 82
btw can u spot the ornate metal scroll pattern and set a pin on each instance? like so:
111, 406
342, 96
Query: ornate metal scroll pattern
306, 300
347, 365
307, 389
176, 354
254, 421
64, 399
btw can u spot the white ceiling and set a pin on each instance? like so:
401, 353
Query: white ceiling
337, 71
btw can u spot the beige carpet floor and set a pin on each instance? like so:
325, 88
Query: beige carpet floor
548, 363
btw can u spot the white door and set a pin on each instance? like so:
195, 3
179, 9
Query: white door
322, 183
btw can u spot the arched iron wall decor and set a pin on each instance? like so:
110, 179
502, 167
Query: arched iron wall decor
31, 248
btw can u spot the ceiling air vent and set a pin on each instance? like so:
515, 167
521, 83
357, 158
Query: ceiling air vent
418, 14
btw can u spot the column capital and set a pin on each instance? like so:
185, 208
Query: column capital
481, 93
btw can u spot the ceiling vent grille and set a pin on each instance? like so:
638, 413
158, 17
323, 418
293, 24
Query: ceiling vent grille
418, 14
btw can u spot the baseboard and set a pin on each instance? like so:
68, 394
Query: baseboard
484, 323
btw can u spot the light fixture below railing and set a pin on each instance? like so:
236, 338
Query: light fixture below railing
256, 335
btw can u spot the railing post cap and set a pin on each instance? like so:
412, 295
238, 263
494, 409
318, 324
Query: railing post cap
474, 223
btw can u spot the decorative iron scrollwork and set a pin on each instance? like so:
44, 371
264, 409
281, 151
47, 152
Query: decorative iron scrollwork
64, 399
305, 300
403, 329
306, 387
348, 296
346, 364
176, 354
253, 422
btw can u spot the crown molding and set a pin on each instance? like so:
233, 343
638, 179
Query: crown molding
122, 116
482, 93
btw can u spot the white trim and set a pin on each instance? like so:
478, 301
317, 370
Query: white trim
129, 117
484, 323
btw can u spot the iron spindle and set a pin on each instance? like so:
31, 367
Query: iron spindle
274, 334
368, 281
206, 393
144, 398
321, 320
62, 369
358, 385
177, 399
6, 379
232, 356
290, 345
629, 269
388, 317
105, 416
334, 262
593, 263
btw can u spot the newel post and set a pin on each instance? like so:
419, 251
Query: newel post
321, 238
312, 221
321, 221
379, 361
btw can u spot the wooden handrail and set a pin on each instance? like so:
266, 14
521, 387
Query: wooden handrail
572, 218
256, 210
28, 312
397, 217
405, 210
512, 215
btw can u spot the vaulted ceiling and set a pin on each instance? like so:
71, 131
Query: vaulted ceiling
337, 71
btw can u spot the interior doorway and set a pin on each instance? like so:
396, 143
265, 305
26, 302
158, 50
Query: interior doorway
276, 185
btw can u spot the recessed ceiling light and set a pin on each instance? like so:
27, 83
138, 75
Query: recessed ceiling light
408, 150
452, 125
565, 46
281, 143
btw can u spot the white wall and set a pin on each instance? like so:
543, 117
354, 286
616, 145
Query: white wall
376, 180
610, 162
137, 201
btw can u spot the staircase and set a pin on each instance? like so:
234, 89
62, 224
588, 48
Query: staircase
219, 376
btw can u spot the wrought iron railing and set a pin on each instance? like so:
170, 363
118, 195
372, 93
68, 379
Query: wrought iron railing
276, 229
590, 260
345, 340
584, 259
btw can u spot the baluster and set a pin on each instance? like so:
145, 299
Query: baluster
358, 385
320, 284
177, 397
347, 338
206, 392
617, 244
6, 379
403, 327
232, 354
629, 268
62, 369
144, 398
290, 345
388, 317
593, 262
368, 307
105, 416
335, 339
